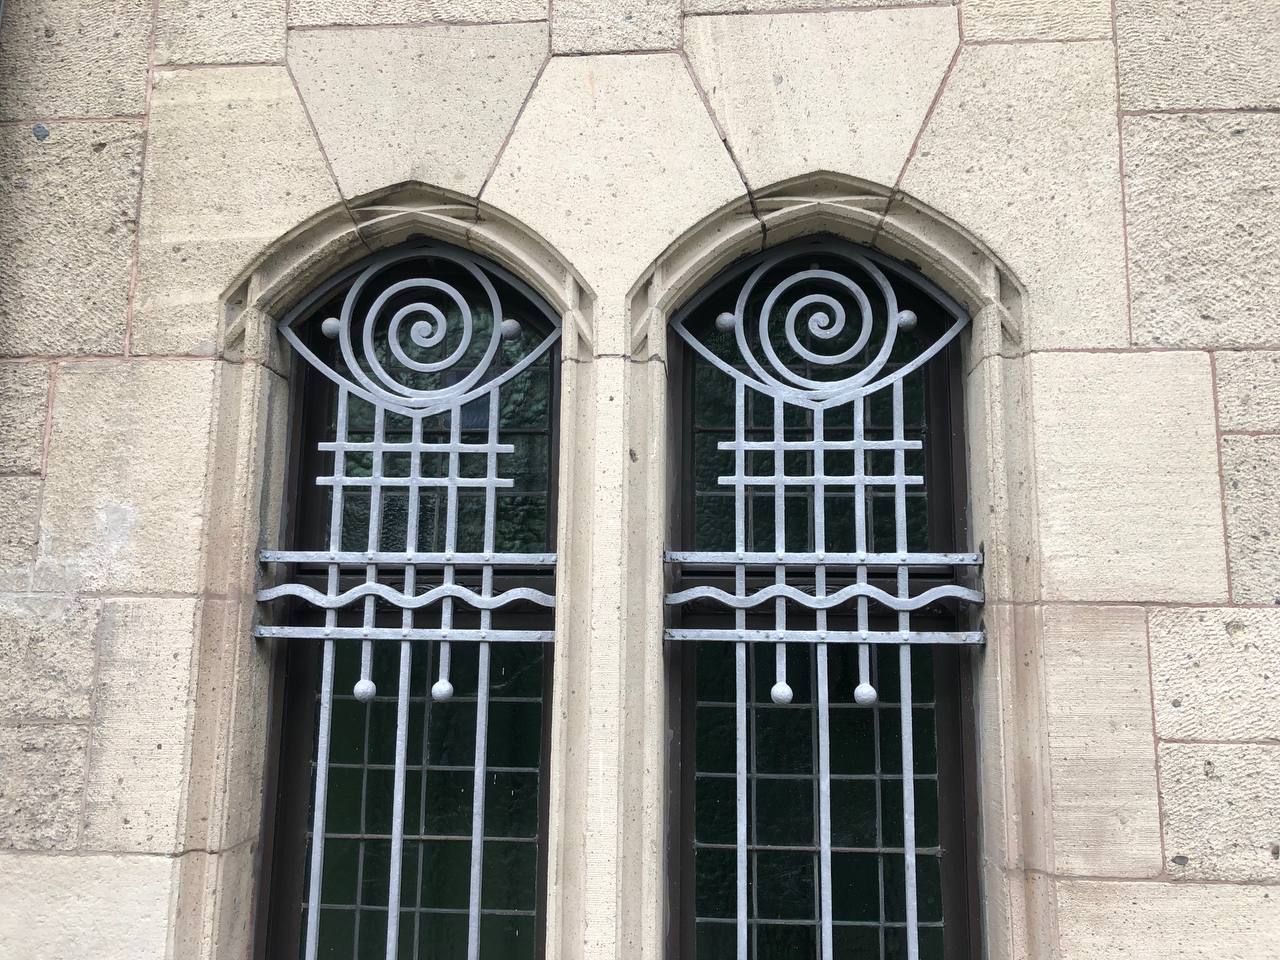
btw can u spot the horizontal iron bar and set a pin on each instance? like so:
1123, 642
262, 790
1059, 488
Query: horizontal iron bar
811, 480
690, 558
405, 558
828, 636
493, 635
404, 601
825, 602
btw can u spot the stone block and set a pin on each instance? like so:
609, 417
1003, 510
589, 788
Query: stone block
73, 58
787, 6
124, 497
24, 395
1215, 671
220, 31
47, 648
1127, 476
1221, 805
1204, 202
1022, 150
611, 193
138, 745
1106, 820
68, 208
1036, 19
1159, 921
270, 176
1248, 389
316, 13
1253, 517
41, 785
601, 26
69, 908
786, 115
19, 521
1198, 53
356, 82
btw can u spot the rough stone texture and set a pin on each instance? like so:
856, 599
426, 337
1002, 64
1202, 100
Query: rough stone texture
124, 497
1215, 672
68, 206
63, 58
325, 12
41, 785
220, 31
244, 130
599, 26
1161, 921
1248, 389
1102, 760
1022, 150
138, 748
24, 393
1221, 807
19, 520
610, 194
1198, 53
1127, 475
766, 6
46, 646
1253, 516
1039, 19
355, 84
69, 908
786, 115
1204, 228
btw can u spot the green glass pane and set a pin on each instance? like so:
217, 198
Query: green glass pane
451, 737
379, 793
715, 810
925, 744
521, 523
930, 943
448, 810
342, 811
525, 401
515, 670
928, 888
341, 857
715, 669
442, 936
511, 805
709, 462
382, 729
855, 886
853, 813
776, 941
515, 734
337, 934
926, 790
784, 740
715, 883
510, 876
713, 396
446, 873
528, 464
713, 522
784, 812
472, 464
346, 730
470, 529
716, 941
395, 520
921, 674
784, 885
855, 942
715, 738
853, 740
375, 874
373, 934
509, 938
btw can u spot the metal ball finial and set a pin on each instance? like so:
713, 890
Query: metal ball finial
781, 692
441, 690
330, 326
509, 329
365, 690
907, 320
865, 694
725, 322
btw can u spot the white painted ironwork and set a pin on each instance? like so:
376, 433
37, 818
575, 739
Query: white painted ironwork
416, 341
842, 304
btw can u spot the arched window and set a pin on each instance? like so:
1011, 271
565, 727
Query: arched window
415, 604
821, 611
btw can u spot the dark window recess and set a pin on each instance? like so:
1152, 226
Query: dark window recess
440, 475
820, 486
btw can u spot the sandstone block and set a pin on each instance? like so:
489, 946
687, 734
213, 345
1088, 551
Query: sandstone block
1022, 149
768, 6
329, 12
19, 523
1248, 389
1127, 477
1221, 810
68, 206
1203, 202
47, 647
1039, 19
41, 785
1253, 516
220, 31
786, 115
124, 497
24, 393
356, 83
599, 26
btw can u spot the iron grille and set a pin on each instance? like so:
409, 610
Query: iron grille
818, 536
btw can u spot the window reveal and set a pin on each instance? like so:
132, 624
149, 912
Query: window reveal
814, 596
425, 574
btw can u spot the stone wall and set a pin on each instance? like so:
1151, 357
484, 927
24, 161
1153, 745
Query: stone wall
1099, 180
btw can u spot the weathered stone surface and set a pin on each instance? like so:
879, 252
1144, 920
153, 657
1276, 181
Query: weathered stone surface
599, 26
1204, 228
1221, 810
610, 194
1159, 921
1248, 389
69, 908
1198, 53
240, 129
138, 746
1039, 19
1022, 149
785, 115
1215, 671
19, 520
326, 12
220, 31
1127, 476
1253, 516
24, 394
68, 206
1106, 818
41, 785
765, 6
46, 646
68, 58
355, 84
124, 496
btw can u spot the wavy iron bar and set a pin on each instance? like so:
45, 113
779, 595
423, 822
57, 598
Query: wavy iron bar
817, 297
400, 309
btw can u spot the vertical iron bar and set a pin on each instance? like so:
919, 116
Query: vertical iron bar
740, 670
826, 933
375, 537
397, 801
